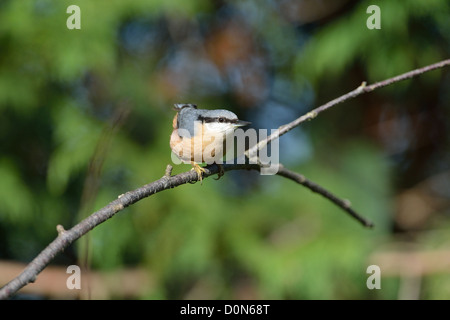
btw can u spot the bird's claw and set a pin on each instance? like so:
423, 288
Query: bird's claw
221, 171
199, 171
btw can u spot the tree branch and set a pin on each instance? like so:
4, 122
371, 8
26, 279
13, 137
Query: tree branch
363, 88
67, 237
314, 187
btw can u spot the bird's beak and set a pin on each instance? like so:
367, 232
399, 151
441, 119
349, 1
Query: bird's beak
241, 123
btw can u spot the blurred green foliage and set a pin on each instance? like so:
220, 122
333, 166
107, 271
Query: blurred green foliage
336, 48
63, 155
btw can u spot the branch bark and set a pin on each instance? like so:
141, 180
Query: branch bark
363, 88
314, 187
67, 237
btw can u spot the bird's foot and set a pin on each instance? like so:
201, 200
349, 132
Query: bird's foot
221, 171
199, 171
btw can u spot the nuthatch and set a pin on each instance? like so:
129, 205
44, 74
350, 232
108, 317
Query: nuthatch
199, 135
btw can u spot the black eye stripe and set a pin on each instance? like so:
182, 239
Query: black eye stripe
216, 119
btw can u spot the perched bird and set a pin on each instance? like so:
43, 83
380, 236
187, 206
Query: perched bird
199, 135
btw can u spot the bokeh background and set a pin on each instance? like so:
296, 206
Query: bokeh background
85, 115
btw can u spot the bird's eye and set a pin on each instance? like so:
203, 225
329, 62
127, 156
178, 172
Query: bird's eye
221, 120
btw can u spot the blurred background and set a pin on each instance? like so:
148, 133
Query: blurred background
86, 115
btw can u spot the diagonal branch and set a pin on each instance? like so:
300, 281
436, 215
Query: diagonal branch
314, 187
363, 88
67, 237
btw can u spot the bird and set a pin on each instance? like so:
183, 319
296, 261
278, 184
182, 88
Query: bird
199, 135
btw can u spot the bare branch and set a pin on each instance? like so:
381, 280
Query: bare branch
67, 237
363, 88
314, 187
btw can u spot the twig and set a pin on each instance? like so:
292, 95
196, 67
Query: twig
344, 204
67, 237
363, 88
